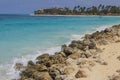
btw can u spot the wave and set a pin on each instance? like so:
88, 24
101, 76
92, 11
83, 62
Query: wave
11, 73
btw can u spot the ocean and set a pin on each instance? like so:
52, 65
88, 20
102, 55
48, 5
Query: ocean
23, 37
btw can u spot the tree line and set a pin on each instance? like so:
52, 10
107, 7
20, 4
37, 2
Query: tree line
80, 10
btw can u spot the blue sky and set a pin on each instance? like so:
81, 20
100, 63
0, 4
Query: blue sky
28, 6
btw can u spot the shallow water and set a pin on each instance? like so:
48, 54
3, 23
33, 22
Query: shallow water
22, 37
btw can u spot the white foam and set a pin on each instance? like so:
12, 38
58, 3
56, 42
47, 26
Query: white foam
76, 37
11, 73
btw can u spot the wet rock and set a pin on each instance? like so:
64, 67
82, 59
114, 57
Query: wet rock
30, 63
81, 74
18, 66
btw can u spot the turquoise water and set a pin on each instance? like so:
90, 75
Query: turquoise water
22, 35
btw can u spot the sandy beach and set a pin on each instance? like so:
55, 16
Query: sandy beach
103, 72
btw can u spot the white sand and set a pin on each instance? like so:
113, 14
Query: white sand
109, 55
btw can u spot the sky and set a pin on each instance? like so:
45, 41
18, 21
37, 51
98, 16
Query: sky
29, 6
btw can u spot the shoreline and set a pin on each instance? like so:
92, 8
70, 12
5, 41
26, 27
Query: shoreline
73, 15
67, 54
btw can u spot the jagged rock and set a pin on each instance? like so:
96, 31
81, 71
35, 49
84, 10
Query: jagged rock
68, 70
81, 74
73, 44
107, 30
68, 50
55, 73
40, 67
43, 57
63, 47
30, 63
41, 76
18, 66
27, 73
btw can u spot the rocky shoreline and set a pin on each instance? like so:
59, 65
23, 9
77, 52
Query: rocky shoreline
74, 61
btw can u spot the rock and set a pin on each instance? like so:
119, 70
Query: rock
118, 58
81, 74
73, 44
103, 42
63, 47
43, 57
41, 76
40, 67
116, 78
86, 42
30, 63
18, 66
87, 53
55, 73
68, 70
107, 30
75, 55
68, 50
87, 36
27, 73
29, 79
92, 45
57, 59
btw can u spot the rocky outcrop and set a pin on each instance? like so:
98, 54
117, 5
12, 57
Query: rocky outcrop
71, 59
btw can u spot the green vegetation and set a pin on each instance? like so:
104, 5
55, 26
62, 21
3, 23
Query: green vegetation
78, 10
